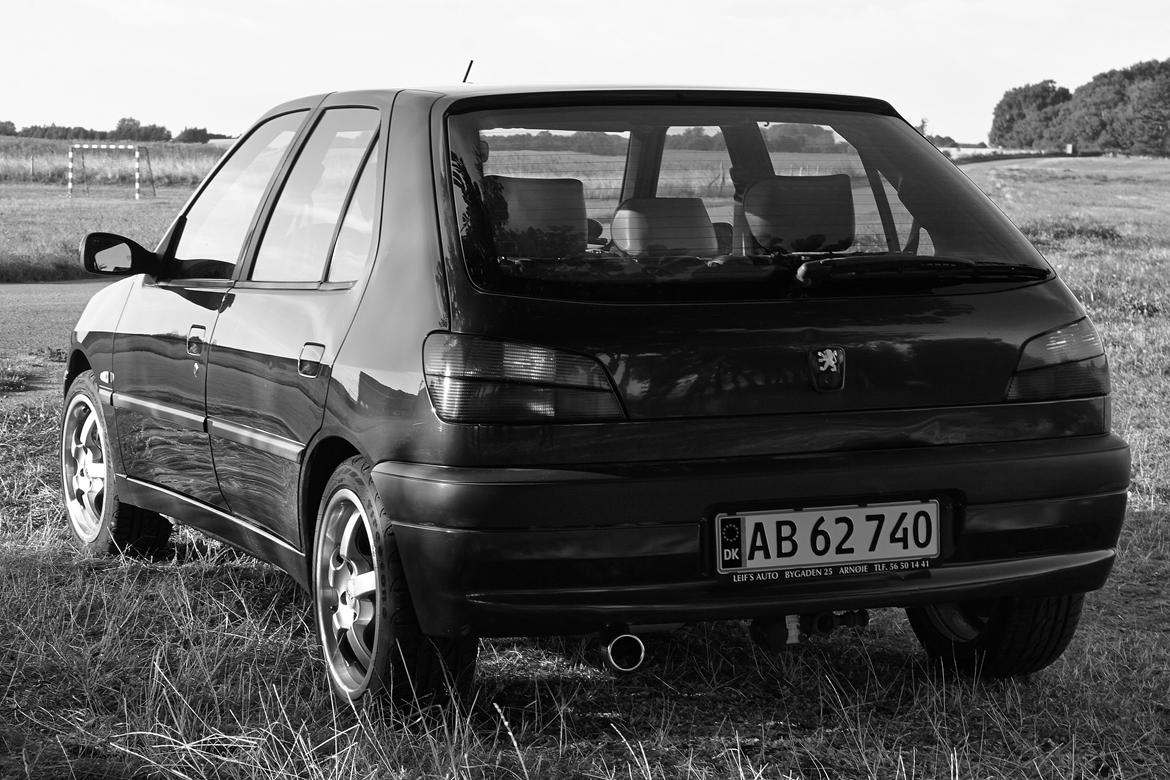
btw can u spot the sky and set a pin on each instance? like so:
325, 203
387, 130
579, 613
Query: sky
219, 64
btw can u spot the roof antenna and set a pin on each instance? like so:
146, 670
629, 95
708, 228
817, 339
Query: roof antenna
468, 72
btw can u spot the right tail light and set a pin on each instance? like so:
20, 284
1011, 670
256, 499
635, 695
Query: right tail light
1068, 362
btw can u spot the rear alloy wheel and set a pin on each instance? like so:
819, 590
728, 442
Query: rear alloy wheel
998, 637
365, 619
101, 523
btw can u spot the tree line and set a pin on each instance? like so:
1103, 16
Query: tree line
1126, 110
127, 129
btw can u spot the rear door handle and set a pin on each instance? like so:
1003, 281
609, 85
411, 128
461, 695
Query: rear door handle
195, 340
310, 361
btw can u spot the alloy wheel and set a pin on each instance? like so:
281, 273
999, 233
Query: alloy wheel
84, 459
346, 591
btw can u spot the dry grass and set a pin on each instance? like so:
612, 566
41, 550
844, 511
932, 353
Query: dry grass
40, 228
40, 161
204, 666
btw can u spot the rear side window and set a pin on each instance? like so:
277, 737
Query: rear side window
217, 223
300, 232
713, 202
355, 241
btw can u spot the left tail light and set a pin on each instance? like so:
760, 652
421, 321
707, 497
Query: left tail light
1068, 362
472, 379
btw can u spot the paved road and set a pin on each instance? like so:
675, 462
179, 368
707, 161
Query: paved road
35, 317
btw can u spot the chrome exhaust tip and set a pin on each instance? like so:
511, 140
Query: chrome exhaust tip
623, 653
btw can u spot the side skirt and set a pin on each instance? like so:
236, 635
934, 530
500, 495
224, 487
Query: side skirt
232, 530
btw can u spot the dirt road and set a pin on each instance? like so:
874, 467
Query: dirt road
40, 316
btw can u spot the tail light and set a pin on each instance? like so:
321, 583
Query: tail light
1068, 362
478, 380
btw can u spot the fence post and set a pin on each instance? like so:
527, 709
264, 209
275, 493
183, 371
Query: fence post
70, 171
137, 168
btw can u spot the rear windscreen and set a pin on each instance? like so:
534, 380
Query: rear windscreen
718, 203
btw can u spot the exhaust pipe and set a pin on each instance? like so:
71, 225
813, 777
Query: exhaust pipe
623, 653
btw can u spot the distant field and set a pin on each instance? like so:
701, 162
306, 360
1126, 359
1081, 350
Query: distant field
40, 228
205, 665
41, 161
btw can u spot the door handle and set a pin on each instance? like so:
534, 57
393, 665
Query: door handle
195, 340
309, 363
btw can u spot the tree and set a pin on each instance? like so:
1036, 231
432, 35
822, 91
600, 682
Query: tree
153, 133
127, 129
1023, 114
7, 128
193, 135
1126, 110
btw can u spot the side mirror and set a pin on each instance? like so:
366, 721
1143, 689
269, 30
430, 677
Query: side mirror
113, 255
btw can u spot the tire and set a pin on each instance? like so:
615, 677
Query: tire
365, 619
101, 524
1000, 637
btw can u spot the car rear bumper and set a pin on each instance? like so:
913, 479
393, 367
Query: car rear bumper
497, 552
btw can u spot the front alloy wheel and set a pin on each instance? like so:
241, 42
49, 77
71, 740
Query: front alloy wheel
83, 466
101, 523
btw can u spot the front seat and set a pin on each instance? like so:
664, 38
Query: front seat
655, 227
800, 213
537, 217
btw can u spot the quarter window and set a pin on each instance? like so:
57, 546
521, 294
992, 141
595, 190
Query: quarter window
217, 222
297, 238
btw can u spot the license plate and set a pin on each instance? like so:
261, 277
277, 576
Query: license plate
827, 541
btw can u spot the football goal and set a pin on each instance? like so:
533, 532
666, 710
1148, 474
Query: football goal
77, 153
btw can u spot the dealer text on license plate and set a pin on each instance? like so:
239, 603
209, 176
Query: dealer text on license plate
827, 541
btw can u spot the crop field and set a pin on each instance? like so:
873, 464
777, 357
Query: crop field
204, 664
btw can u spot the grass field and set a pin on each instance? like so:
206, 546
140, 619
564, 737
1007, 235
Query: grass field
40, 228
204, 665
41, 161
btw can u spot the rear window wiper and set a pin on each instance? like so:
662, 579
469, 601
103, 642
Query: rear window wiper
900, 266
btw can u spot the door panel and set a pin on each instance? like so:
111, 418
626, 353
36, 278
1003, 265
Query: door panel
159, 388
263, 402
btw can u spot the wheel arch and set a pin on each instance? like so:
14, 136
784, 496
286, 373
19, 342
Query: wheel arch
320, 462
78, 362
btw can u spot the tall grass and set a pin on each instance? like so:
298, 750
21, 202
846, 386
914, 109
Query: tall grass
41, 161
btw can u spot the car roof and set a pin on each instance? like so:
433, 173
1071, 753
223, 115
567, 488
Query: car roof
475, 95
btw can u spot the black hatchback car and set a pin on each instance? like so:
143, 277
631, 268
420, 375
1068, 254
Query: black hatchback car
499, 362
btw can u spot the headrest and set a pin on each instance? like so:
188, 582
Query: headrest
801, 213
664, 226
536, 217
